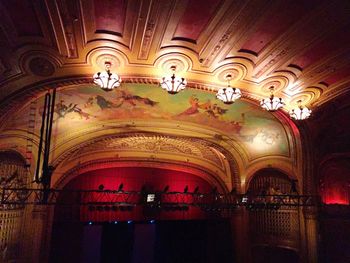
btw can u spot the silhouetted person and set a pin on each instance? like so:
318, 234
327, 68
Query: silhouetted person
293, 187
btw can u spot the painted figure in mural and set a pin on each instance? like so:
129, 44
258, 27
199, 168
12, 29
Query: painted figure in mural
89, 102
194, 102
83, 114
105, 104
133, 99
62, 110
123, 97
213, 110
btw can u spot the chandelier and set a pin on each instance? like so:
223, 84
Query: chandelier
173, 84
300, 113
107, 80
228, 95
273, 103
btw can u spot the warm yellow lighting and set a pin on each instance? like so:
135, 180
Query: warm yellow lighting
107, 80
228, 95
300, 113
273, 103
173, 84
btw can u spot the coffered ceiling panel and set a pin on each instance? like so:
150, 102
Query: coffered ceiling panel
110, 16
275, 21
300, 47
22, 14
194, 19
112, 20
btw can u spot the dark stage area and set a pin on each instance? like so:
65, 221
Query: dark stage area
186, 241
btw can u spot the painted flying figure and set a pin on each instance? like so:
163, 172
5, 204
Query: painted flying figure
213, 110
105, 104
62, 110
194, 102
133, 99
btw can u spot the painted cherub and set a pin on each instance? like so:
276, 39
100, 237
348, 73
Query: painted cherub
194, 102
213, 110
208, 107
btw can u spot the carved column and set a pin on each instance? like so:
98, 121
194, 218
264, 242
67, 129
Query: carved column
311, 229
309, 175
240, 235
25, 242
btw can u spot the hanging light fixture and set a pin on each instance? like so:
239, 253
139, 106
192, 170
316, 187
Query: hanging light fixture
273, 103
228, 95
173, 84
107, 80
300, 113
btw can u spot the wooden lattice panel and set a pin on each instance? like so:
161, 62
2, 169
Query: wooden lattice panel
10, 227
13, 173
281, 223
274, 227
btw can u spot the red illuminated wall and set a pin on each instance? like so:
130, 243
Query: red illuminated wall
133, 179
335, 182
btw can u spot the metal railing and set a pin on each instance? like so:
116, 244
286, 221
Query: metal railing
12, 197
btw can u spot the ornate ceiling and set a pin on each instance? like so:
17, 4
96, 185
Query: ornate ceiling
300, 47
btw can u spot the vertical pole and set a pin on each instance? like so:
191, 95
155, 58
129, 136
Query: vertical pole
41, 140
47, 170
45, 137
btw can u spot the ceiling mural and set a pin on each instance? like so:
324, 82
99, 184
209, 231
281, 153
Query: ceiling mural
87, 107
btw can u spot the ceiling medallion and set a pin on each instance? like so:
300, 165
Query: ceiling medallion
173, 84
273, 103
228, 95
41, 67
107, 80
300, 113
